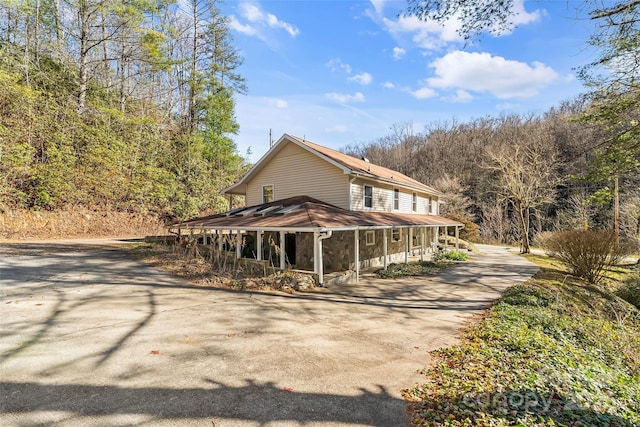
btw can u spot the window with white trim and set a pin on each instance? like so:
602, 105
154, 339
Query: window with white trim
396, 236
396, 199
430, 210
368, 196
414, 202
370, 238
267, 193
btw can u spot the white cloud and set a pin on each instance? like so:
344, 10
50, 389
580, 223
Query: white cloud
522, 17
482, 72
362, 78
433, 35
428, 35
378, 5
398, 52
261, 20
461, 97
345, 98
337, 129
247, 29
423, 93
336, 64
388, 85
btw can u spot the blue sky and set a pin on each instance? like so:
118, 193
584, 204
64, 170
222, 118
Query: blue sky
343, 72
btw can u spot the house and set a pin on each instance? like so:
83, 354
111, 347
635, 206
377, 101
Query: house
313, 208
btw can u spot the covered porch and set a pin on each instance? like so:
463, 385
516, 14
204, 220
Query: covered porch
305, 234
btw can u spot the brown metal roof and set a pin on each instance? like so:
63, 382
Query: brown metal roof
348, 163
304, 213
365, 167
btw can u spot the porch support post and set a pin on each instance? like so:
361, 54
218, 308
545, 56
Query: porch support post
220, 247
320, 266
435, 238
238, 244
457, 238
356, 245
446, 236
283, 254
422, 243
259, 245
384, 248
406, 246
315, 252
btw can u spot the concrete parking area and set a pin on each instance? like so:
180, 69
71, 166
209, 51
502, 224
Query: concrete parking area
90, 336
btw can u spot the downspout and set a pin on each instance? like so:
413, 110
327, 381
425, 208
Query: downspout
321, 237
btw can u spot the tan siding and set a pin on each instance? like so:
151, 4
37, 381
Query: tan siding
296, 172
383, 198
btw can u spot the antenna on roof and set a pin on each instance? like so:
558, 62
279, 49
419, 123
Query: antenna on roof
270, 139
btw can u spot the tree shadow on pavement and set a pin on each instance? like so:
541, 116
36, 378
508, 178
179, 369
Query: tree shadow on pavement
262, 403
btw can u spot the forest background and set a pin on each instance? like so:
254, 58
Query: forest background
118, 116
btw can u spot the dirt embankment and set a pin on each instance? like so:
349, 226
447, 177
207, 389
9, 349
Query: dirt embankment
76, 223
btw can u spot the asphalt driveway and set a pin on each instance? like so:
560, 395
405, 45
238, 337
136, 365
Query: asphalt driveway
91, 337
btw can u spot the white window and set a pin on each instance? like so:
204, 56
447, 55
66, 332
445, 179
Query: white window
267, 193
370, 238
368, 196
430, 209
396, 199
414, 202
396, 236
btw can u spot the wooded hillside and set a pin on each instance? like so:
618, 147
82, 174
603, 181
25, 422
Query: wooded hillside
125, 106
544, 170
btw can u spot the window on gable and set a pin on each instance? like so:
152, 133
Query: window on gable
395, 235
368, 196
370, 238
396, 199
414, 202
267, 193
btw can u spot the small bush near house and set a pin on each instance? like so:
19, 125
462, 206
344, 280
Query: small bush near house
586, 253
449, 255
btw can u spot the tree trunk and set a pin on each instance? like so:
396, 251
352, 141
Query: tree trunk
523, 218
83, 75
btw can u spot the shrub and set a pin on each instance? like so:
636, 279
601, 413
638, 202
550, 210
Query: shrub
470, 232
586, 253
630, 290
449, 255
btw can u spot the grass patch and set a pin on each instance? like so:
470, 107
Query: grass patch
439, 261
553, 351
420, 268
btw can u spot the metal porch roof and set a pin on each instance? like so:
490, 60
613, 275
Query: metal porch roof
304, 213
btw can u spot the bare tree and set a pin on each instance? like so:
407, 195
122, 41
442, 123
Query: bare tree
527, 175
455, 200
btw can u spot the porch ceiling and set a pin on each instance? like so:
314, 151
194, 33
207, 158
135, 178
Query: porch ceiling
304, 213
